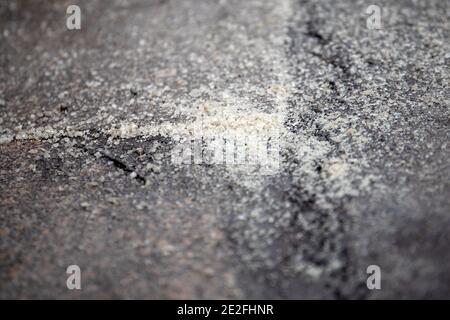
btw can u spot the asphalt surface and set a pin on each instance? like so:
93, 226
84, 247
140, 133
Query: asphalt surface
90, 119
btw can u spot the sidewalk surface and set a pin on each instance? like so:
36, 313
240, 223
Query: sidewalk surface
90, 119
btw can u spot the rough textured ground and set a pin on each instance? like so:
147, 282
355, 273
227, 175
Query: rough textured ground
89, 120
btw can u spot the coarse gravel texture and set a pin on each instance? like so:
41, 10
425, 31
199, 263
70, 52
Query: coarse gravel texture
90, 121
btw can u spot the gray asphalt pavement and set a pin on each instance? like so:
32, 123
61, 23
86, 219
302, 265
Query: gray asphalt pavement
357, 121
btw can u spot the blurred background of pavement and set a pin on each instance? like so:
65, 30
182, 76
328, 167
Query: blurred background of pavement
88, 120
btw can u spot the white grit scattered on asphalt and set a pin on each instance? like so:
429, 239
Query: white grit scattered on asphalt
232, 114
251, 115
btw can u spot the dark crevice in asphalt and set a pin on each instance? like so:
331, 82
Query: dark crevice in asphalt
338, 59
123, 166
119, 164
89, 139
313, 32
90, 144
327, 232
